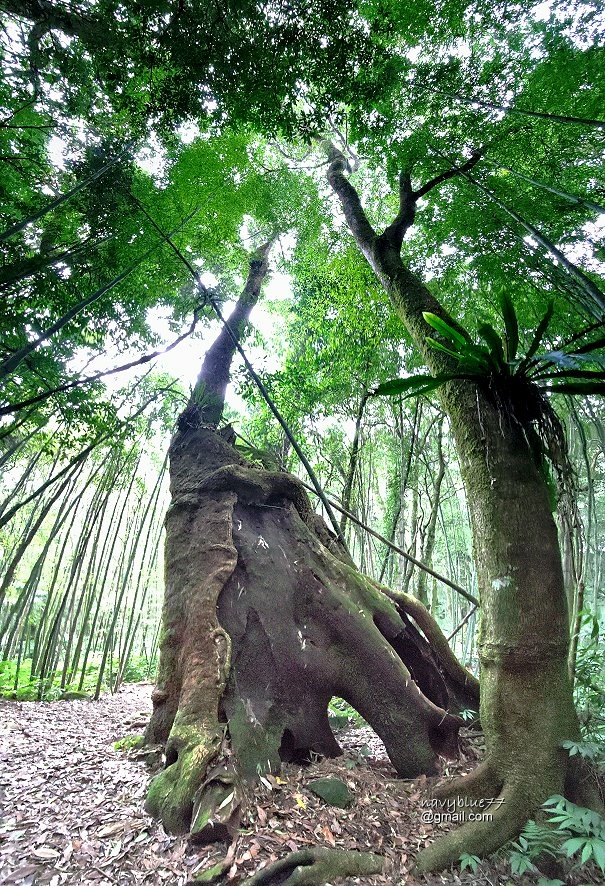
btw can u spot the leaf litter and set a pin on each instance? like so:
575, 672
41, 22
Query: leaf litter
71, 806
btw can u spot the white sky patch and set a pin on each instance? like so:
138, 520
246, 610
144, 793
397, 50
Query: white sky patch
543, 11
152, 158
188, 132
57, 151
185, 361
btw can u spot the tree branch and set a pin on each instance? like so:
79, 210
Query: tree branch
360, 227
450, 173
52, 16
76, 383
404, 219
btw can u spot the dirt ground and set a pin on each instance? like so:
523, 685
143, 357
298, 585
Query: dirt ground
71, 806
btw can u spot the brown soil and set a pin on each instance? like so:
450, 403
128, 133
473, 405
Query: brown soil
71, 806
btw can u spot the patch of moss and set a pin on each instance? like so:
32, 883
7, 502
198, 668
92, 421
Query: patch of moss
332, 791
129, 743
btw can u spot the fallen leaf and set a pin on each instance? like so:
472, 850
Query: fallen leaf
45, 852
25, 871
111, 829
328, 835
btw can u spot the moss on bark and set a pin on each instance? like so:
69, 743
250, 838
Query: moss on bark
526, 699
314, 867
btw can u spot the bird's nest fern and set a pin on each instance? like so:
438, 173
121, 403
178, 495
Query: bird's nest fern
517, 384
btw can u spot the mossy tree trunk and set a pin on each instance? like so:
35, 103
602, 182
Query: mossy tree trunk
526, 698
266, 618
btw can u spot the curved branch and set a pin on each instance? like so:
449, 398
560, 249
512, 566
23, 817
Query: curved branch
357, 220
433, 633
450, 173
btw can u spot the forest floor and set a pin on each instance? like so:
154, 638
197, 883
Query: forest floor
71, 806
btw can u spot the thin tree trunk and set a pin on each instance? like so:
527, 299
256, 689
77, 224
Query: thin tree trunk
150, 507
592, 297
571, 198
431, 531
352, 466
135, 609
404, 480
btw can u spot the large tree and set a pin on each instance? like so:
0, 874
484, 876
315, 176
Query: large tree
266, 618
527, 708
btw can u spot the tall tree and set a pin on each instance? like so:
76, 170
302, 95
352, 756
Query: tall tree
523, 652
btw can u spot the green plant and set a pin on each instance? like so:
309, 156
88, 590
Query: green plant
497, 361
584, 830
589, 691
534, 841
23, 686
342, 714
570, 831
517, 383
470, 862
137, 669
129, 743
589, 750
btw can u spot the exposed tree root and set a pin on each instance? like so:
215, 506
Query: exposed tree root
314, 867
532, 767
487, 826
265, 619
485, 830
481, 782
455, 670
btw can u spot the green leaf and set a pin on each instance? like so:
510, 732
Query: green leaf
511, 325
437, 346
494, 342
401, 385
471, 862
211, 875
475, 365
572, 845
461, 338
591, 346
520, 863
538, 336
578, 388
571, 373
555, 800
414, 386
598, 851
558, 358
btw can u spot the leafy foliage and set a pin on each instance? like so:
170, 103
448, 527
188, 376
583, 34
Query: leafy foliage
517, 384
571, 832
496, 361
469, 862
589, 690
